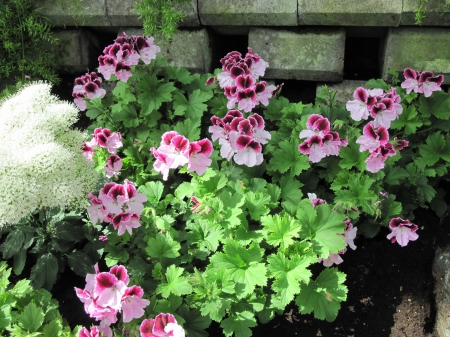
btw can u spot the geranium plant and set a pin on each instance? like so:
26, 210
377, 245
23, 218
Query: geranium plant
229, 233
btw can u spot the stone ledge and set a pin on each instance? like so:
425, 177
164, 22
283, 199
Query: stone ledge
106, 13
437, 13
380, 13
307, 54
248, 13
189, 49
344, 90
420, 48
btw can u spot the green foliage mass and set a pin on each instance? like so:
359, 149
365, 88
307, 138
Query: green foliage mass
24, 35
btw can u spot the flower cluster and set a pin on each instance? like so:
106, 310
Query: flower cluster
163, 325
240, 138
239, 78
126, 51
382, 107
102, 138
119, 205
175, 150
41, 164
107, 294
94, 332
425, 83
320, 140
376, 141
88, 86
403, 231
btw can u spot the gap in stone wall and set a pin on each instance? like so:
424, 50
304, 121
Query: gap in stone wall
223, 44
361, 58
298, 91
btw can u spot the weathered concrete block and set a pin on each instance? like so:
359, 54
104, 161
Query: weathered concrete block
248, 13
77, 51
344, 90
307, 54
441, 274
91, 13
350, 12
188, 49
437, 13
122, 13
420, 48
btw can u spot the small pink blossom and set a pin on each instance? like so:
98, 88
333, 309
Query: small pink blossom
94, 332
125, 222
332, 259
403, 231
113, 166
163, 325
133, 304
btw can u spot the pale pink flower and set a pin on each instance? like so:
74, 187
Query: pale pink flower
314, 148
109, 290
315, 201
359, 107
163, 325
125, 222
332, 259
249, 151
411, 80
403, 231
429, 83
372, 138
97, 211
113, 166
94, 332
135, 199
350, 234
375, 161
133, 304
199, 154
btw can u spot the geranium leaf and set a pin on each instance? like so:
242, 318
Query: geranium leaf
153, 190
290, 189
239, 324
163, 246
281, 230
438, 104
31, 318
287, 157
176, 284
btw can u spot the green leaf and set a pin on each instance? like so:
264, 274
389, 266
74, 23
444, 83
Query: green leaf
182, 75
193, 107
281, 230
407, 119
239, 324
434, 149
377, 83
321, 225
323, 296
31, 318
80, 263
290, 189
256, 204
438, 203
127, 115
358, 194
288, 273
67, 231
190, 128
13, 243
53, 329
176, 284
395, 175
43, 273
163, 246
115, 255
152, 190
123, 93
153, 95
351, 156
287, 157
244, 265
195, 324
21, 288
438, 104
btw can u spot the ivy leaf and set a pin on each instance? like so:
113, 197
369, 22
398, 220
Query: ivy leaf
438, 105
153, 190
31, 318
152, 95
176, 284
287, 157
290, 189
321, 225
281, 230
323, 296
244, 265
193, 107
434, 149
288, 273
43, 273
163, 246
239, 324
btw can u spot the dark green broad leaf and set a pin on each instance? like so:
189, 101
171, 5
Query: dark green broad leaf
80, 263
437, 104
43, 273
68, 231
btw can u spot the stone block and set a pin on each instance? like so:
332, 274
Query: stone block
122, 13
86, 13
441, 274
350, 12
77, 51
437, 13
248, 13
420, 48
301, 54
189, 49
344, 90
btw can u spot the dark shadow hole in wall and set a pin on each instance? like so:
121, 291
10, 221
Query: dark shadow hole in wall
298, 91
361, 58
224, 44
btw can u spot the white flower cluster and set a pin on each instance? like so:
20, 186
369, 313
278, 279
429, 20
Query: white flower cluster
41, 164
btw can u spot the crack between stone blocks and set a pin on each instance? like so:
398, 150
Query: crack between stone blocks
107, 14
